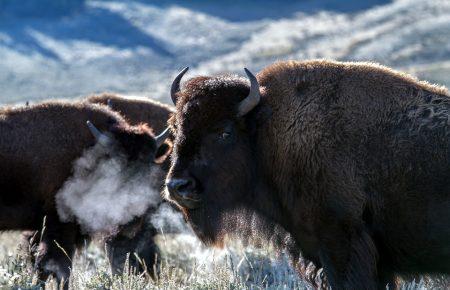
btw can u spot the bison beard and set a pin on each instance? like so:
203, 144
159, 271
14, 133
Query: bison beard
351, 159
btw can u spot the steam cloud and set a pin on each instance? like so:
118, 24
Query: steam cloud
105, 192
167, 220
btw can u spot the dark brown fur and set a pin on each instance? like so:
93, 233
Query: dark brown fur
351, 159
137, 111
38, 145
154, 114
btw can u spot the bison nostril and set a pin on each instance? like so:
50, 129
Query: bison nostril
188, 184
181, 186
183, 191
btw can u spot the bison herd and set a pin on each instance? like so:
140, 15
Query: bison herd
344, 165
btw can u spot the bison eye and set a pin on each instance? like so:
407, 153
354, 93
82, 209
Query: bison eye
225, 135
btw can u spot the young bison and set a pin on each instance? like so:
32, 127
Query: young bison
138, 236
38, 146
351, 159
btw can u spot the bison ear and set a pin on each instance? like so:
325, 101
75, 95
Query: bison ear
163, 152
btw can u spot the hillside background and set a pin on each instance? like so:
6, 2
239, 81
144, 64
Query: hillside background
72, 48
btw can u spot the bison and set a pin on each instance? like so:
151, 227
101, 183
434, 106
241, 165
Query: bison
38, 146
351, 159
138, 236
136, 111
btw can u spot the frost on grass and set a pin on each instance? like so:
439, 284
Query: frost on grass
185, 264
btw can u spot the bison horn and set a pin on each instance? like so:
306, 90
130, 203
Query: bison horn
253, 98
162, 137
99, 136
175, 88
109, 104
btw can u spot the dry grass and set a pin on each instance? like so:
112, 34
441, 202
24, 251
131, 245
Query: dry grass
185, 264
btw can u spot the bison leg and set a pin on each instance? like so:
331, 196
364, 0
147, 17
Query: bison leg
349, 258
387, 278
28, 245
56, 249
141, 244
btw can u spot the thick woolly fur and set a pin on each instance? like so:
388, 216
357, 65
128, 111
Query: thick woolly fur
136, 111
141, 112
150, 113
351, 159
38, 146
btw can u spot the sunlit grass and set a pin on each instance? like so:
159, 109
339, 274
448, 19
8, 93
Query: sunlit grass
185, 264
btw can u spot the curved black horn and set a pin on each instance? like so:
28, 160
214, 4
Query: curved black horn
99, 136
162, 137
175, 88
253, 98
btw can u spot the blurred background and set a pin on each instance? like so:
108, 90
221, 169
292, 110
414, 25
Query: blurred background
72, 48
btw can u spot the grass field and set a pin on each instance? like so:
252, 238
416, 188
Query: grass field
185, 264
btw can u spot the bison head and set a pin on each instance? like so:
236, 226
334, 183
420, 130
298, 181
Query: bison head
137, 143
140, 148
213, 169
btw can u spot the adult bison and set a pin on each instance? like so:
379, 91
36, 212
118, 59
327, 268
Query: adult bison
351, 159
136, 111
138, 236
38, 146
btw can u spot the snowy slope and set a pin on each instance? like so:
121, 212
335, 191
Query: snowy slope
136, 47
